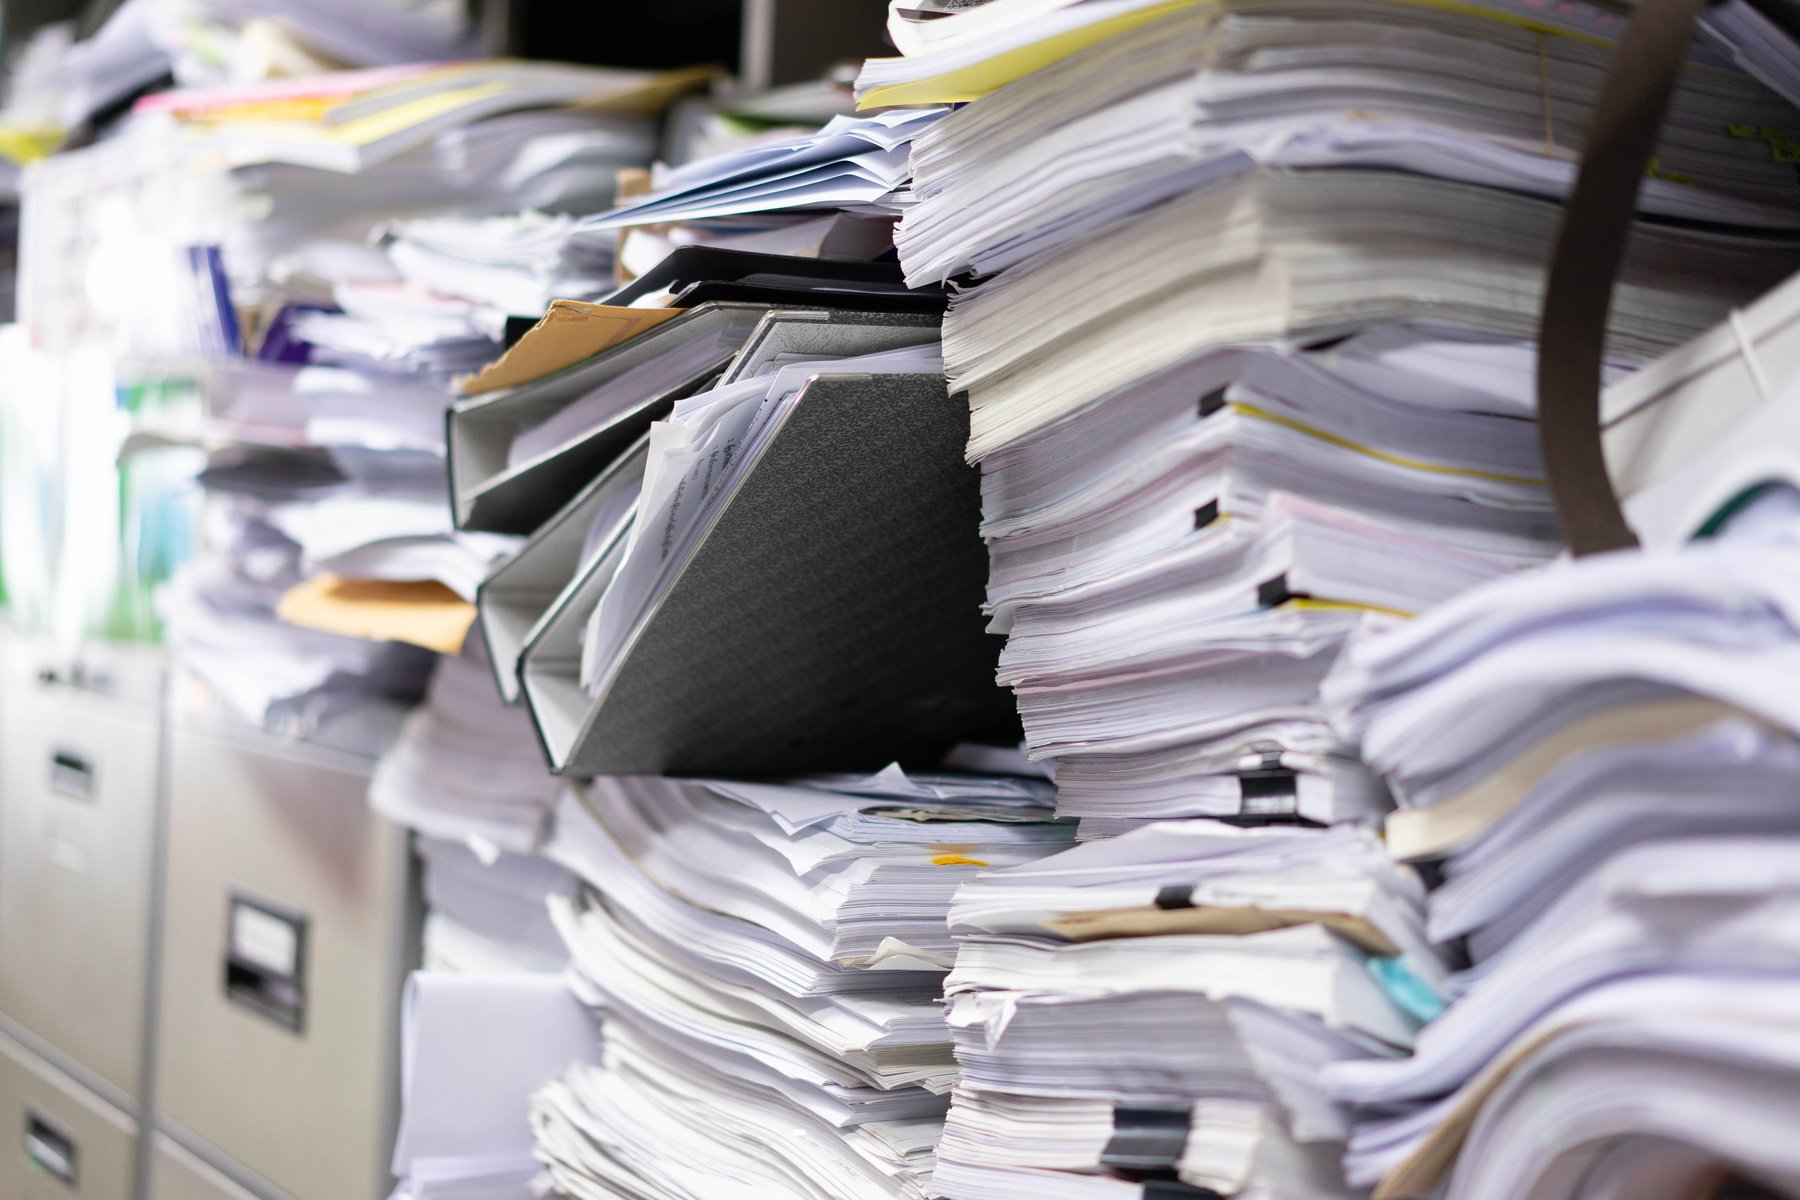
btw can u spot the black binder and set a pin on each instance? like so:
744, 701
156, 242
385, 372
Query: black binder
830, 617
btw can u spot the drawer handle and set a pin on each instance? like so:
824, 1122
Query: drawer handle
265, 960
71, 774
49, 1148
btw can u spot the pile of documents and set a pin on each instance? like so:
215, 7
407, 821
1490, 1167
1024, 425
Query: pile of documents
474, 1048
1161, 1006
1243, 299
210, 43
328, 571
774, 1025
466, 767
487, 908
363, 248
1601, 758
1243, 316
782, 195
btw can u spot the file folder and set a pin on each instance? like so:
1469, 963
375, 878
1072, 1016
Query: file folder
515, 597
491, 496
791, 638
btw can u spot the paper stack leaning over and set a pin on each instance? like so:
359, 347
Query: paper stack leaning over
329, 541
1161, 1006
1602, 758
1131, 442
1243, 311
775, 1025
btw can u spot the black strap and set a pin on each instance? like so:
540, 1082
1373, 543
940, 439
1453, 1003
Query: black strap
1589, 249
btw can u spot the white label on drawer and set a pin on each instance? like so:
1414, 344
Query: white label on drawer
264, 940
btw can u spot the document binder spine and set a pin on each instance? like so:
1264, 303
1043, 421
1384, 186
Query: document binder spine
791, 639
519, 502
827, 333
512, 601
489, 495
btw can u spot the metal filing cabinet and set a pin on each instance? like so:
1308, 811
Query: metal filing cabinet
58, 1141
292, 919
79, 762
175, 1174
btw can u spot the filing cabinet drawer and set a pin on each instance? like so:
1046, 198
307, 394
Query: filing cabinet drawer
176, 1174
57, 1140
291, 923
78, 773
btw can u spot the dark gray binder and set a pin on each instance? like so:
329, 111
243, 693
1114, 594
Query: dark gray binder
829, 618
518, 593
788, 334
487, 494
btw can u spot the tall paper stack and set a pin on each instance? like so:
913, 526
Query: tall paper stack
1244, 307
1602, 759
766, 960
331, 320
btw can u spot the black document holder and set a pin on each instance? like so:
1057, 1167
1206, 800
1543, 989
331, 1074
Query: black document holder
488, 495
517, 594
831, 616
686, 266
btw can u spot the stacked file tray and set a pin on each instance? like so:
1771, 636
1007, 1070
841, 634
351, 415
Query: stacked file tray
740, 590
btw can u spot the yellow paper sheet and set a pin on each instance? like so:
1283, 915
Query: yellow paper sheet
419, 612
977, 80
973, 82
572, 330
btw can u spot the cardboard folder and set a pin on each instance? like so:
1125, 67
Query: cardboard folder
830, 617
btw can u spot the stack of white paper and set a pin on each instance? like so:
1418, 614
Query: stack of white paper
235, 41
487, 909
332, 353
1162, 1004
1244, 318
776, 1024
1200, 543
510, 265
220, 613
474, 1048
851, 162
467, 767
309, 482
1244, 299
1188, 99
1601, 758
